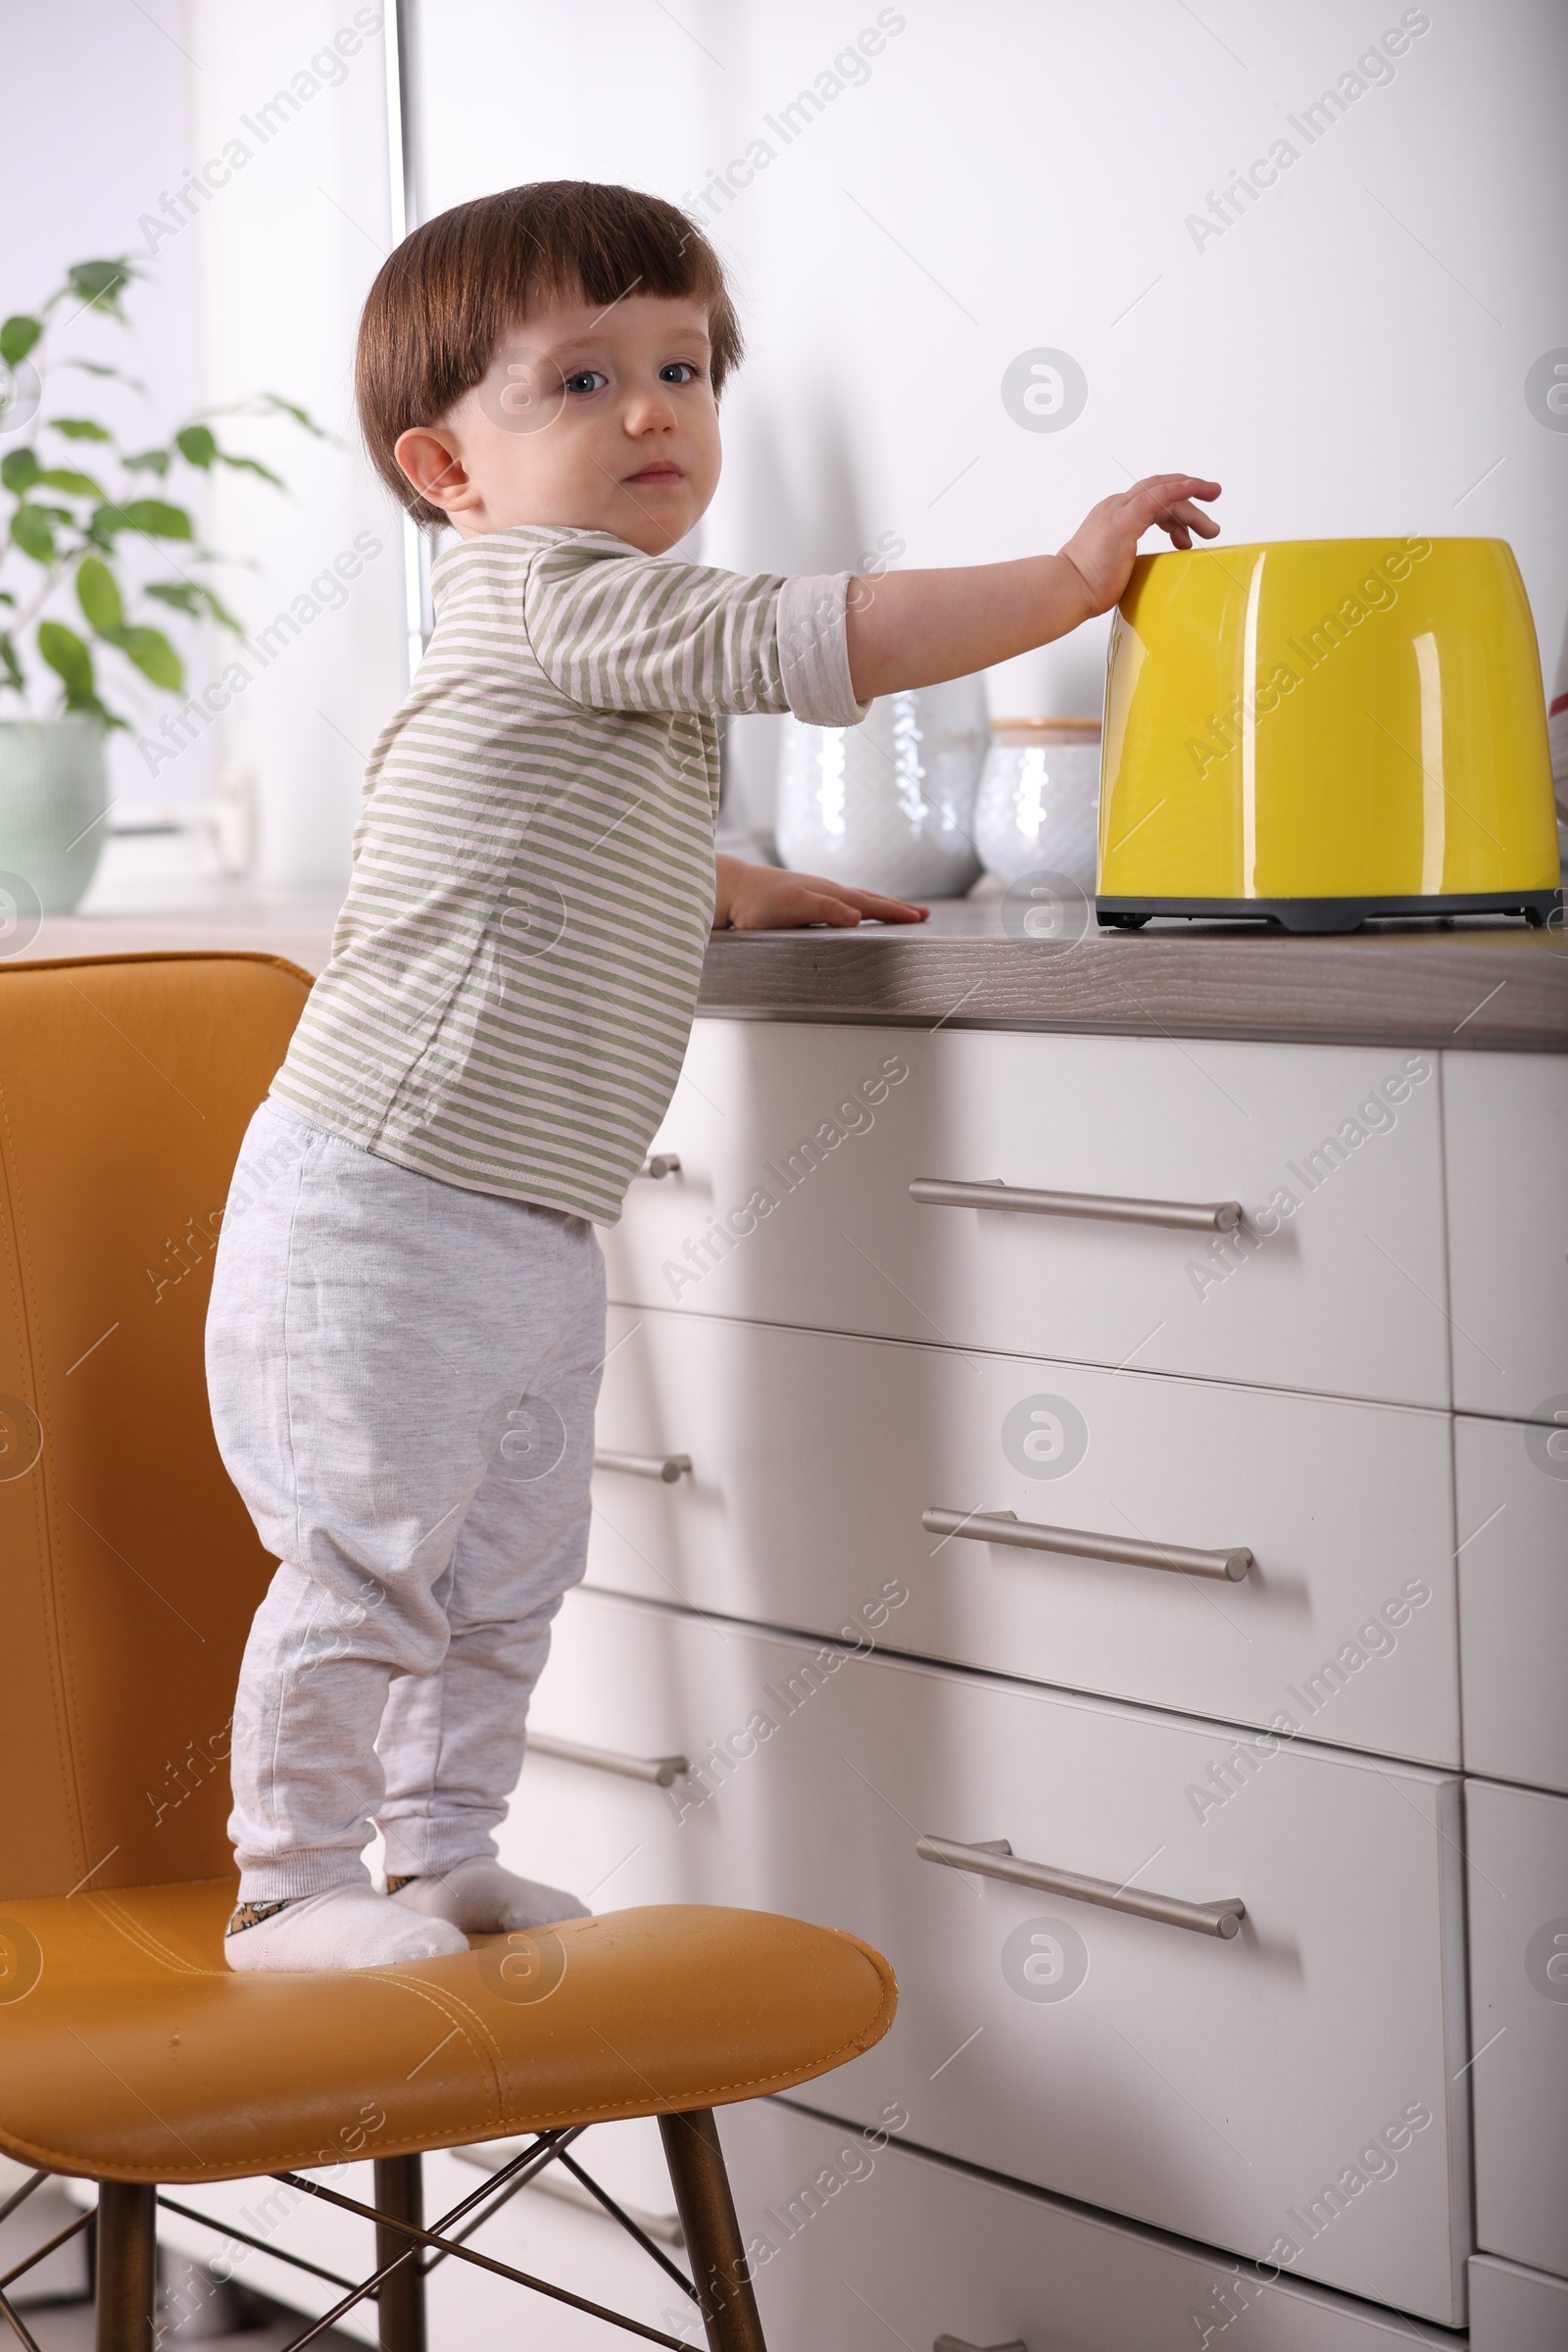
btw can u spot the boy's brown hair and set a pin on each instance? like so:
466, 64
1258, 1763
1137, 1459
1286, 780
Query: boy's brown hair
445, 299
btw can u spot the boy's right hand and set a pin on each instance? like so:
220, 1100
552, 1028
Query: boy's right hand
1102, 548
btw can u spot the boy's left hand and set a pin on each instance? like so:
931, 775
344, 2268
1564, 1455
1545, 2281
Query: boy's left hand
768, 898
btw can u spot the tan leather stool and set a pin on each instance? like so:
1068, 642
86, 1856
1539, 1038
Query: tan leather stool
129, 2054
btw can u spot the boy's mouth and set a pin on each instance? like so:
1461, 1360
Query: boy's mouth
653, 478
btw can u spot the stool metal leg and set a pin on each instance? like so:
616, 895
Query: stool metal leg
713, 2235
128, 2264
400, 2299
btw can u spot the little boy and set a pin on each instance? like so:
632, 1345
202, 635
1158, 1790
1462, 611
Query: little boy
407, 1323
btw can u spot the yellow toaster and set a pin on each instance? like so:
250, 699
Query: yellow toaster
1320, 730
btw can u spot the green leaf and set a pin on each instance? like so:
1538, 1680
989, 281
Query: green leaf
17, 336
196, 445
253, 465
79, 429
156, 518
153, 656
289, 408
191, 597
148, 460
30, 531
9, 663
184, 595
97, 368
19, 469
222, 613
100, 284
69, 658
65, 477
98, 595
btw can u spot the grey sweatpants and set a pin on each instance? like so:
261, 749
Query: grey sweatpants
403, 1378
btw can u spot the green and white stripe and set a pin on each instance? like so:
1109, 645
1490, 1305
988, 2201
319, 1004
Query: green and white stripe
516, 966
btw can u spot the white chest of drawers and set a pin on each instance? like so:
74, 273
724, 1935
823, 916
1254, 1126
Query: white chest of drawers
1131, 2064
1284, 1563
814, 1455
1337, 1283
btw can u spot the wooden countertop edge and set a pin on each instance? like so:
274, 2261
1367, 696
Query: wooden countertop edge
1498, 991
1506, 995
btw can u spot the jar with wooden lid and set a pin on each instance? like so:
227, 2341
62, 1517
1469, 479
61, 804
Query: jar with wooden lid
1039, 800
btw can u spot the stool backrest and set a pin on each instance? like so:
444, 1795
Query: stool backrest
128, 1567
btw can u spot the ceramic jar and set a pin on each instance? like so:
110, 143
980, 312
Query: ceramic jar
890, 803
1039, 800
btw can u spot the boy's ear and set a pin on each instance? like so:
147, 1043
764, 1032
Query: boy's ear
427, 456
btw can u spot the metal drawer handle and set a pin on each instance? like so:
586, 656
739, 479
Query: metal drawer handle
961, 2343
1192, 1216
662, 1771
1006, 1527
665, 1467
998, 1860
662, 1163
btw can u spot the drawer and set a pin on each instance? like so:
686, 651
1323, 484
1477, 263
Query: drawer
1505, 1129
797, 1145
1515, 2309
1518, 1852
1512, 1499
1233, 2092
860, 2241
814, 1456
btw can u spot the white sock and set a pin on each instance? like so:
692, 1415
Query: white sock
348, 1927
484, 1900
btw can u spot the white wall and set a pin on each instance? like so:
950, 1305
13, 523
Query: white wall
95, 126
256, 287
285, 252
1349, 357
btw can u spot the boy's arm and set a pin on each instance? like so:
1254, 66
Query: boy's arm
914, 628
767, 898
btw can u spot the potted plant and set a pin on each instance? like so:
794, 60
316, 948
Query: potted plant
74, 504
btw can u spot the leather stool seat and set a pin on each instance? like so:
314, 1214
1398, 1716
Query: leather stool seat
130, 2051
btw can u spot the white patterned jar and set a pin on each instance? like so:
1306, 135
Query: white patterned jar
1038, 802
890, 803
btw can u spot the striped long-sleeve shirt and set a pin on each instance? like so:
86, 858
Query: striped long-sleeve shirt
516, 967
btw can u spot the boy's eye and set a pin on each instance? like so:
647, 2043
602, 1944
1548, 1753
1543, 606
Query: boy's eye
679, 371
586, 379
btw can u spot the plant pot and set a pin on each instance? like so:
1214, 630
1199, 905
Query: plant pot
890, 803
54, 791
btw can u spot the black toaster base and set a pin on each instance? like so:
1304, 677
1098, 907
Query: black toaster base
1536, 906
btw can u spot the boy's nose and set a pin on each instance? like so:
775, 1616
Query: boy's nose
649, 412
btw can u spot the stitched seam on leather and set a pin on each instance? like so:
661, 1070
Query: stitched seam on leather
443, 2003
127, 1924
265, 1764
863, 2041
756, 2086
492, 2047
54, 1606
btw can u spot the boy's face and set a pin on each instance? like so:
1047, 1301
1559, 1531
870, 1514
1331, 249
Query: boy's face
603, 419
